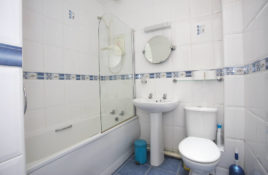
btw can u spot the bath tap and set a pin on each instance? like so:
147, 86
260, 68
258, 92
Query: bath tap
164, 96
112, 112
122, 113
150, 96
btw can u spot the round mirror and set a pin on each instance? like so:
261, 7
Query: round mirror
158, 49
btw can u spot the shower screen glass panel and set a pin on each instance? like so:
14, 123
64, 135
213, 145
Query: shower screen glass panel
116, 71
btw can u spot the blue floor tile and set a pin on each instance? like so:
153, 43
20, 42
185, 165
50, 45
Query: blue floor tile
130, 168
158, 171
170, 164
182, 171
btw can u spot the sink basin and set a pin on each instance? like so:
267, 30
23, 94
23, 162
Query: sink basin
155, 106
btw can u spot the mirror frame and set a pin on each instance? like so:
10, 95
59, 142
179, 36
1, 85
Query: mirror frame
172, 48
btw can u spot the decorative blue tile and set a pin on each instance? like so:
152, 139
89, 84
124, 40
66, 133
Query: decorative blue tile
188, 73
158, 171
157, 75
175, 74
67, 76
40, 76
61, 76
10, 55
152, 75
168, 75
130, 168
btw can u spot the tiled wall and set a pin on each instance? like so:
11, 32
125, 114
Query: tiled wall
245, 99
60, 51
234, 110
194, 51
255, 39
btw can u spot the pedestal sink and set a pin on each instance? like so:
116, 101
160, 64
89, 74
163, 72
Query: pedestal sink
156, 108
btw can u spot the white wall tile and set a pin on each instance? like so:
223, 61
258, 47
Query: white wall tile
54, 93
33, 26
53, 59
252, 164
35, 93
179, 9
251, 9
255, 41
168, 134
227, 157
234, 122
34, 121
33, 56
256, 99
53, 32
34, 5
201, 7
217, 27
233, 50
218, 54
232, 17
54, 9
256, 137
202, 57
181, 31
234, 90
56, 116
179, 135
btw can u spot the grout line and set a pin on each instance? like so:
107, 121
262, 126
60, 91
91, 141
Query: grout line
179, 168
149, 169
253, 20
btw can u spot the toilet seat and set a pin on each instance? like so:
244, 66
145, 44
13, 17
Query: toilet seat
199, 150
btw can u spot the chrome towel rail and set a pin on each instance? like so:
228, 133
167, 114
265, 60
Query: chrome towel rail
64, 128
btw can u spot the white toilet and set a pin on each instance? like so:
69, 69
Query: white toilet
198, 150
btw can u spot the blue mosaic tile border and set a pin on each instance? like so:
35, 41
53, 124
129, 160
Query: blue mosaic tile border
10, 55
57, 76
117, 77
179, 74
257, 66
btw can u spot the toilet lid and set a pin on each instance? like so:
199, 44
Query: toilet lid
199, 150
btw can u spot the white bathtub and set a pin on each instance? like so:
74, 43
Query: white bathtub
101, 154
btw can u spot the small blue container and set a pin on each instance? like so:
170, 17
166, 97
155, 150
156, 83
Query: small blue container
140, 151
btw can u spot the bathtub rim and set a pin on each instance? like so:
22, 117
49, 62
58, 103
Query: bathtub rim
34, 166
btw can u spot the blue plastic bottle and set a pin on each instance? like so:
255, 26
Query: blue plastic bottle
235, 169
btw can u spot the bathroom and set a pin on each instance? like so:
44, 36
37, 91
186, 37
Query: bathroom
84, 81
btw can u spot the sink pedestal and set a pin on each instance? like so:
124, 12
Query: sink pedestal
156, 108
156, 138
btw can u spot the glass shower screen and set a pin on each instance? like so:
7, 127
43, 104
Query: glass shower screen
116, 61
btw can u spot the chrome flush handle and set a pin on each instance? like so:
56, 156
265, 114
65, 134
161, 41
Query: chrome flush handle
25, 100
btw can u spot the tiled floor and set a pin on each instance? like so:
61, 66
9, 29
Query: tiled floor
170, 166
